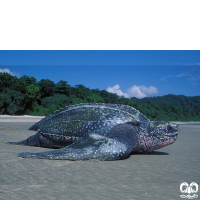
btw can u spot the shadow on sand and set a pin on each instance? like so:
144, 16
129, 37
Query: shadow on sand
159, 153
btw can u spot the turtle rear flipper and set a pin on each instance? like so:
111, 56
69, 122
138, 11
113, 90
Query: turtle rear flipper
47, 140
117, 145
30, 141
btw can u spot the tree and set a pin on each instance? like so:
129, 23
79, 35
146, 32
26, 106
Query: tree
7, 81
32, 95
105, 95
81, 91
12, 102
94, 98
47, 87
62, 88
56, 101
96, 91
33, 92
123, 100
23, 82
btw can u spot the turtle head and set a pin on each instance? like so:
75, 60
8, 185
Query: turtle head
160, 134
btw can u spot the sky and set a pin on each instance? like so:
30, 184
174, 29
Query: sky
129, 73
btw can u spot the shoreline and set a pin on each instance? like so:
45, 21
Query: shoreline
20, 118
31, 118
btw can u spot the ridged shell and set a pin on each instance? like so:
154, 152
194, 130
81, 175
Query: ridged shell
81, 119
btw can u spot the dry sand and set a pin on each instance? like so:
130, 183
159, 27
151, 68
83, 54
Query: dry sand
153, 176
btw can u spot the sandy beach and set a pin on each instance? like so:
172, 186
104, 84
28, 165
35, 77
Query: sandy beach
141, 176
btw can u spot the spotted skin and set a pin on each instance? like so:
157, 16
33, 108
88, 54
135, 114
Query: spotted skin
97, 131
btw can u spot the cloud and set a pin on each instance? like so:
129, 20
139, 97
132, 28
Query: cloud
116, 90
141, 91
9, 72
164, 78
134, 91
149, 90
182, 74
193, 76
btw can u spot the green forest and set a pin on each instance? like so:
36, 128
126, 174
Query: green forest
26, 95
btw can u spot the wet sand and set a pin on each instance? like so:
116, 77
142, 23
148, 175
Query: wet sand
153, 176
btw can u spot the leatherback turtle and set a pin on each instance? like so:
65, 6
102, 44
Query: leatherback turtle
98, 131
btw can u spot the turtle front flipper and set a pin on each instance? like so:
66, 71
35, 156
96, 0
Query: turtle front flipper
117, 144
90, 147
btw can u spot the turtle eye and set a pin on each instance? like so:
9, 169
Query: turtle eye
169, 128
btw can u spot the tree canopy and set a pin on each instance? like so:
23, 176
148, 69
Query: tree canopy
25, 95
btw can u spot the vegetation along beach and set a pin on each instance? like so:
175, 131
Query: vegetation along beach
26, 95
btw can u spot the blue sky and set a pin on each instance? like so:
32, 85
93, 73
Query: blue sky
129, 73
